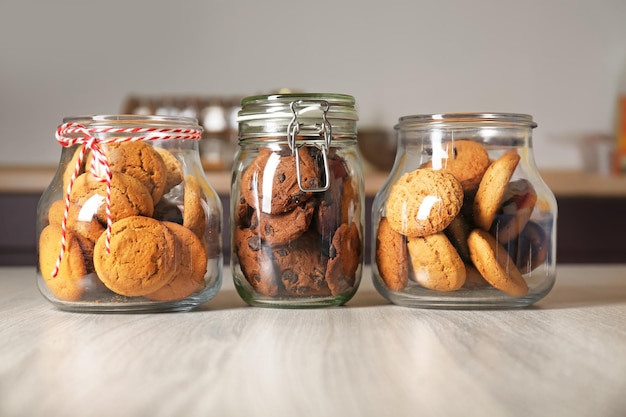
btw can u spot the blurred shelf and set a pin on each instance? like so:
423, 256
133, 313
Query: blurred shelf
578, 194
562, 183
583, 184
35, 179
25, 179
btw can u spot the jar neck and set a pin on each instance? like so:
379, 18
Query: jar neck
512, 130
278, 130
288, 116
129, 127
488, 136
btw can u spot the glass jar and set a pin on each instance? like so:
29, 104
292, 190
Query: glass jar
464, 219
129, 222
297, 201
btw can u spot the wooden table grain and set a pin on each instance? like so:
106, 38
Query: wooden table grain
564, 356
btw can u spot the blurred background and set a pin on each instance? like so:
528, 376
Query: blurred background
559, 60
562, 61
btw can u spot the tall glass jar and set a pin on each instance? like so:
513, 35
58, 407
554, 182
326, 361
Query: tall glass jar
464, 219
129, 222
297, 201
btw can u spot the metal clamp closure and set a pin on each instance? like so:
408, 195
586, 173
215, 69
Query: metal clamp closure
324, 129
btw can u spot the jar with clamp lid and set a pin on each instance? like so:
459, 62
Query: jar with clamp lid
129, 222
464, 219
297, 200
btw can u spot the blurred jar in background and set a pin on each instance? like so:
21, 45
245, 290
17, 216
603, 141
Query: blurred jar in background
215, 148
216, 114
598, 154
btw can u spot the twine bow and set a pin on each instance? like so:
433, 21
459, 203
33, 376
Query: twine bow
70, 134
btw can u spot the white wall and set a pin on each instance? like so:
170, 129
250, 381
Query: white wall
558, 60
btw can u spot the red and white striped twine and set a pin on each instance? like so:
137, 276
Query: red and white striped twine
99, 168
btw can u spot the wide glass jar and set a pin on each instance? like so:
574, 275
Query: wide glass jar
129, 222
464, 219
297, 201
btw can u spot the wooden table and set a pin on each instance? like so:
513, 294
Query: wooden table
565, 356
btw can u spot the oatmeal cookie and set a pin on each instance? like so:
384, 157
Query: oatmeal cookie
423, 202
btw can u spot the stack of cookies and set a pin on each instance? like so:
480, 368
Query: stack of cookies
292, 243
459, 221
163, 231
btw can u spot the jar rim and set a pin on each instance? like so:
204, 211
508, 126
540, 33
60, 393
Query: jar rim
418, 120
107, 119
278, 106
291, 96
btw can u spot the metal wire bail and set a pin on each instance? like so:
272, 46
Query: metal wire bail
324, 128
